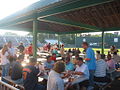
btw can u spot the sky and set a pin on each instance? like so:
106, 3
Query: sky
8, 7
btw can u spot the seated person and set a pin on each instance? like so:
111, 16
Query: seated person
30, 76
73, 51
82, 70
55, 82
116, 57
76, 56
68, 55
98, 56
78, 51
101, 70
69, 64
110, 62
17, 70
55, 51
49, 63
69, 51
53, 57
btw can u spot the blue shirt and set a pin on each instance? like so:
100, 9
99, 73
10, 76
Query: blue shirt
49, 65
92, 62
69, 66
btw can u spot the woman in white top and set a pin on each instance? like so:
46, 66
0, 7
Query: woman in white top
5, 61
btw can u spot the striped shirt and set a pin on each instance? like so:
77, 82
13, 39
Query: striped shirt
101, 68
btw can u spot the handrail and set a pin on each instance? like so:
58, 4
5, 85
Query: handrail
5, 86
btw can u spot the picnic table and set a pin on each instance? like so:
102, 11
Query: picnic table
43, 54
77, 79
41, 59
114, 73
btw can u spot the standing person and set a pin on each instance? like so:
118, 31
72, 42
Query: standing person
55, 82
30, 50
91, 62
17, 70
5, 63
49, 47
62, 50
12, 52
113, 49
30, 76
21, 48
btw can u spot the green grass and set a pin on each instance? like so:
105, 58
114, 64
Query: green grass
96, 49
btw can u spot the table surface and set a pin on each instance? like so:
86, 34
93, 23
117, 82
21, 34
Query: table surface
77, 80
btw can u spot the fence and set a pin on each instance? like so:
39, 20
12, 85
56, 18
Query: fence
5, 86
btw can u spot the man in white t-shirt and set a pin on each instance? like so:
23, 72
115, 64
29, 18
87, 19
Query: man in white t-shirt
82, 70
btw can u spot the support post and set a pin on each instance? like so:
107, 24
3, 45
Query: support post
103, 41
35, 28
75, 40
58, 41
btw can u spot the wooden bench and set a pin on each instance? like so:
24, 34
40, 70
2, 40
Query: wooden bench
8, 80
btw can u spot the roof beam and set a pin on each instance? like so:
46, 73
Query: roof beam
70, 6
29, 30
56, 20
17, 21
45, 31
112, 29
74, 32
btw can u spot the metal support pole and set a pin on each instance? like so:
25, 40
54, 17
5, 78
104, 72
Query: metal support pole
35, 28
103, 40
59, 40
75, 40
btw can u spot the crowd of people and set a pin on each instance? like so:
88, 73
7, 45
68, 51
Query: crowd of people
93, 67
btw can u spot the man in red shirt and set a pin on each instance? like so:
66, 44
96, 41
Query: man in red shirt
53, 57
30, 50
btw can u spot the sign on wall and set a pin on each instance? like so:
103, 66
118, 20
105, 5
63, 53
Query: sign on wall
115, 39
84, 40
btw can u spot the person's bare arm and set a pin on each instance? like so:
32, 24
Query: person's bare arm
87, 59
78, 73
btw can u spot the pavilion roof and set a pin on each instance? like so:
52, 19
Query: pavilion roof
67, 16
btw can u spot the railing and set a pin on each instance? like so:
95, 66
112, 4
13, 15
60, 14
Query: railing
5, 86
